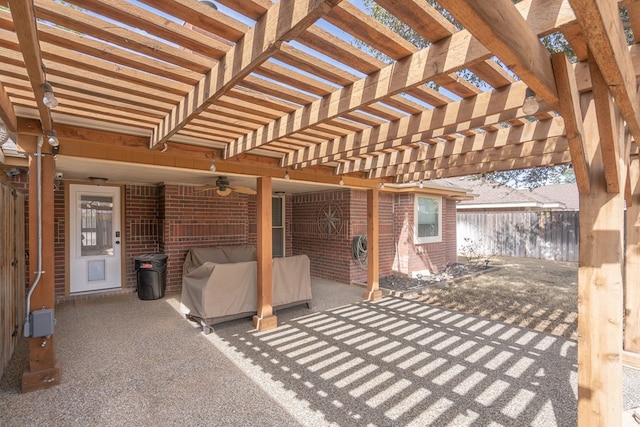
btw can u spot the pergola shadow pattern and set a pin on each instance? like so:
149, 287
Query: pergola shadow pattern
398, 362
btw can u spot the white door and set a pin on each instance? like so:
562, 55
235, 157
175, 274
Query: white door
95, 246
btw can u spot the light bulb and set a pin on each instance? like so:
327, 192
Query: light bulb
530, 105
286, 175
382, 185
421, 185
53, 139
212, 168
341, 181
49, 99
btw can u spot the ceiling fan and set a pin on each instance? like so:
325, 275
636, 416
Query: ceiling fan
224, 188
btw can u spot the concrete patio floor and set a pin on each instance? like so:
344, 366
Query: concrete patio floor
344, 362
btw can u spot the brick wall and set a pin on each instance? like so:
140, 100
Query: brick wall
189, 219
412, 257
59, 239
141, 226
331, 257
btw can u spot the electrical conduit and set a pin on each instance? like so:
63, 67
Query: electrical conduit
27, 322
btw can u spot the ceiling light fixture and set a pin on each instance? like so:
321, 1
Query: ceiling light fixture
53, 139
49, 99
530, 105
212, 167
421, 185
286, 175
98, 180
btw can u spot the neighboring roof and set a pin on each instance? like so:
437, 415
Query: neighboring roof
567, 193
492, 196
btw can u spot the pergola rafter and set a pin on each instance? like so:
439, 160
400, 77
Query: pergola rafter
416, 69
255, 47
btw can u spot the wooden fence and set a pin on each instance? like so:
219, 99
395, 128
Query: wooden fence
12, 271
546, 235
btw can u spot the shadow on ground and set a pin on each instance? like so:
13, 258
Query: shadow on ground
399, 362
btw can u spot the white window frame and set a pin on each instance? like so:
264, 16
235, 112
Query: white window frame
431, 239
281, 227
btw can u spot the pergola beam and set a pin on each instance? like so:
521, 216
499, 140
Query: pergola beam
449, 55
572, 115
525, 150
7, 113
607, 128
24, 21
477, 142
487, 108
502, 29
282, 22
605, 36
497, 166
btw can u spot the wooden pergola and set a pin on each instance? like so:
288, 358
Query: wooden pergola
268, 89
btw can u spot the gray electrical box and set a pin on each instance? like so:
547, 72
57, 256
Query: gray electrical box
42, 322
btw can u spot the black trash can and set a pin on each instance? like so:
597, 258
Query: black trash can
150, 272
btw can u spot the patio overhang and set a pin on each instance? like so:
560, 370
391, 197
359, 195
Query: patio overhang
280, 90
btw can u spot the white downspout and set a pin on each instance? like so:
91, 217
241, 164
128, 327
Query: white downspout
27, 321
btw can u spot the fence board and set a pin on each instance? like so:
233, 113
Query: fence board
12, 271
537, 234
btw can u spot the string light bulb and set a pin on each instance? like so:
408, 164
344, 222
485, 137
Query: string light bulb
530, 105
286, 175
420, 185
49, 98
53, 139
341, 181
212, 167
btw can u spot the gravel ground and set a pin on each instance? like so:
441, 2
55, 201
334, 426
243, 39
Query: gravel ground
393, 362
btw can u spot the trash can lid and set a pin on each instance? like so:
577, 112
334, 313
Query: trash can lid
151, 257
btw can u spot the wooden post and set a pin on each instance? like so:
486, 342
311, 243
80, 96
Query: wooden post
264, 319
632, 266
44, 369
373, 291
599, 281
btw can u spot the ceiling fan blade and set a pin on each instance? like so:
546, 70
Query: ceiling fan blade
205, 188
224, 193
244, 190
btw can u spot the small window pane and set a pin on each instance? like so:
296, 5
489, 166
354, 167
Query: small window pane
428, 219
277, 244
96, 234
276, 207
